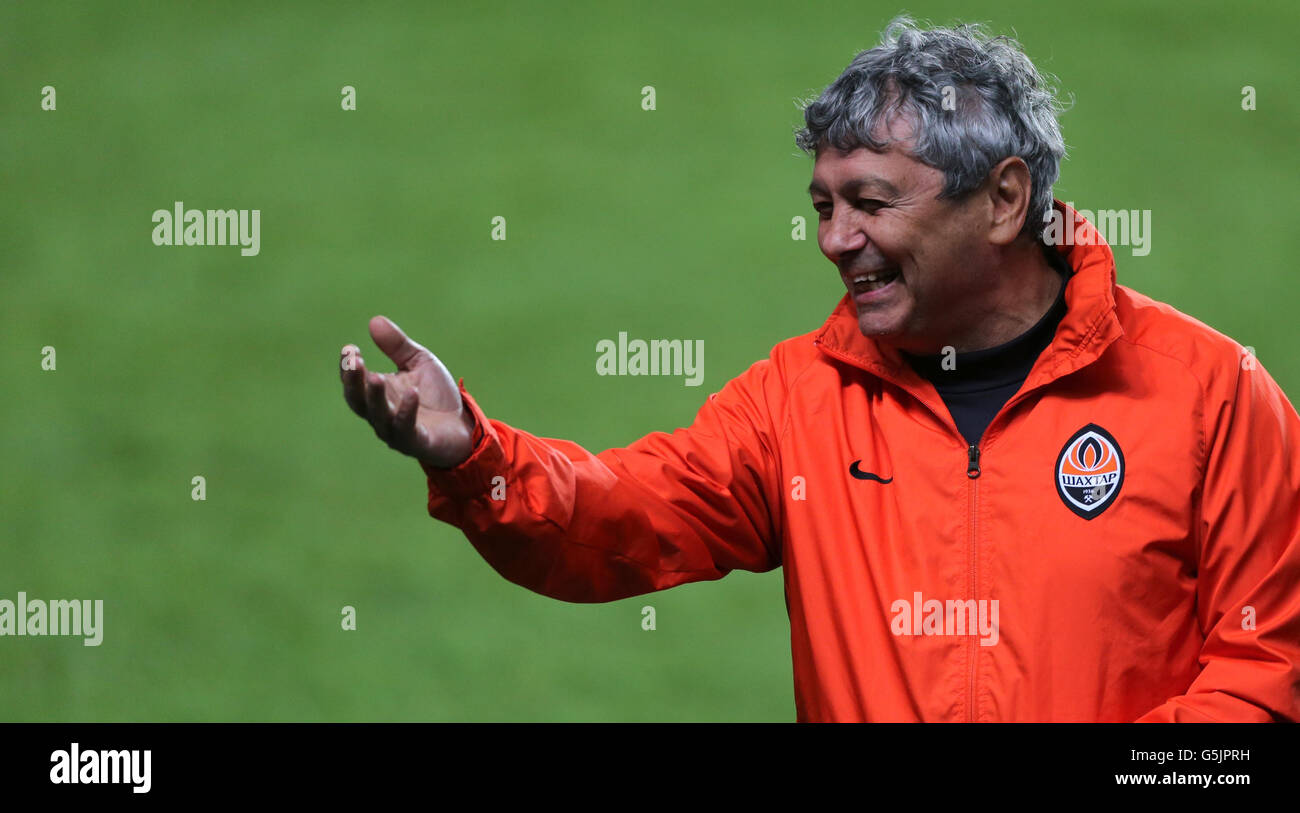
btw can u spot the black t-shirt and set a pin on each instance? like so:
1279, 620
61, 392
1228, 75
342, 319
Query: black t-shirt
981, 381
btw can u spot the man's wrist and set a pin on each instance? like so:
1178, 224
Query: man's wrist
473, 431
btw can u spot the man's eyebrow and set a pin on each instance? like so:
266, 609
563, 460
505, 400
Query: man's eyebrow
851, 186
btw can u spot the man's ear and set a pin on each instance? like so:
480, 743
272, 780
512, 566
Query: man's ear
1009, 187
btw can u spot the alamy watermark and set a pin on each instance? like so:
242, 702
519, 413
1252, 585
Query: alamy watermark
656, 357
1118, 227
57, 617
213, 227
922, 616
73, 766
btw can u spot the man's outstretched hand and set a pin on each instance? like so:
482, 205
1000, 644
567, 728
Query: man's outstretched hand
416, 410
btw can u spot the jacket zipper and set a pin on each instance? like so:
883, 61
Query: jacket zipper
972, 474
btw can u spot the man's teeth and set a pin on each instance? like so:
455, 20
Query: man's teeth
872, 277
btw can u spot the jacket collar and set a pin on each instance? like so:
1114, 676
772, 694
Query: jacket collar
1089, 326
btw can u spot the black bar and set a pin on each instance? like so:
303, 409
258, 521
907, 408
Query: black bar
333, 761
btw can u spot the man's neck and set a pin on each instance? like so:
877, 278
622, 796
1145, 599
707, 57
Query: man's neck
1030, 287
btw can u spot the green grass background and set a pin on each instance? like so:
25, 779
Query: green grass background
176, 362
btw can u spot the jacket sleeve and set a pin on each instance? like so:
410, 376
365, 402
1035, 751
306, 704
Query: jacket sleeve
668, 509
1248, 574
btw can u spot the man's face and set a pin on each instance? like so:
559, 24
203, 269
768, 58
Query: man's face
916, 267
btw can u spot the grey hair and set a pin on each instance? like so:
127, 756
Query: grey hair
1004, 107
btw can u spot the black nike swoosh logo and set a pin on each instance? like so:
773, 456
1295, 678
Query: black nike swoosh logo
859, 474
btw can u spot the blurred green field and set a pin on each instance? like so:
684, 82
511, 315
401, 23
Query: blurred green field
675, 223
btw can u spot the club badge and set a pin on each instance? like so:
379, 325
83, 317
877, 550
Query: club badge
1089, 471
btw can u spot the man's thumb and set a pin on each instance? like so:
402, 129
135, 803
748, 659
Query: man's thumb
395, 344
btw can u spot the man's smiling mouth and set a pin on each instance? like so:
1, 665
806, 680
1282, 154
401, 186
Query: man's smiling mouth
864, 284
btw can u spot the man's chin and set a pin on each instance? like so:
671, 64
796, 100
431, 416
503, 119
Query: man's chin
881, 327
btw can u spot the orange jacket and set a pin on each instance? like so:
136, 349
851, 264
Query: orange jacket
1134, 512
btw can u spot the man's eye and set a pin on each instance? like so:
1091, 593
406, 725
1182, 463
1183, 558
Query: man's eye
823, 210
871, 203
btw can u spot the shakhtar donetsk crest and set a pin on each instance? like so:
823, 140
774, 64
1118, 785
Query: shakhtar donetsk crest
1089, 471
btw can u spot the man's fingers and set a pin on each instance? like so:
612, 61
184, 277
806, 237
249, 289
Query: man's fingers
395, 344
404, 420
377, 409
353, 372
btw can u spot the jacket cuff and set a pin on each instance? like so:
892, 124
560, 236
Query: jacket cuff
473, 476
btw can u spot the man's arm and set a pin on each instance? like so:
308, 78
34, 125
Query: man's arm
1248, 577
668, 509
553, 517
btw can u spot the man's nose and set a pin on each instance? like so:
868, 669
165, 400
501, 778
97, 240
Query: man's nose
842, 234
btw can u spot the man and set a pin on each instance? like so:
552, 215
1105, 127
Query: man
1001, 487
